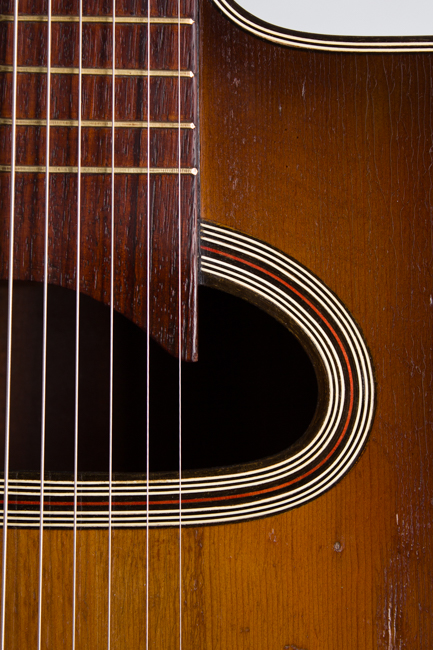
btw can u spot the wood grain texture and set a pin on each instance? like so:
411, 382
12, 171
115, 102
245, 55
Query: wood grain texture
163, 8
96, 97
130, 247
327, 157
131, 150
131, 45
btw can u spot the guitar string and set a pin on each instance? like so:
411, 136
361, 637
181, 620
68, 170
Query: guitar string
148, 330
77, 319
9, 327
77, 323
44, 325
112, 239
179, 320
77, 316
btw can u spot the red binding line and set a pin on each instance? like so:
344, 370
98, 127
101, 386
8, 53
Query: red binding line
256, 492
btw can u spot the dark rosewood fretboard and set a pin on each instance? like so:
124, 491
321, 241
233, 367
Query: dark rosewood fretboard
131, 155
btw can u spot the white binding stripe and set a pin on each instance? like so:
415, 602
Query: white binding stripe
321, 439
243, 511
315, 334
310, 333
342, 316
319, 44
321, 292
270, 503
327, 299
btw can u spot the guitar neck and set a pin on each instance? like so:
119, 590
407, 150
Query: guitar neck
154, 126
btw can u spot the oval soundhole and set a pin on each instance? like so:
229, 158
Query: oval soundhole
252, 393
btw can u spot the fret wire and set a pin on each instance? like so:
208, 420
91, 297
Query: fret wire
38, 169
98, 123
112, 234
77, 331
120, 72
9, 331
136, 20
44, 325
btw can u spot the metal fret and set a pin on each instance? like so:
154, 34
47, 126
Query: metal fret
39, 169
99, 124
136, 20
120, 72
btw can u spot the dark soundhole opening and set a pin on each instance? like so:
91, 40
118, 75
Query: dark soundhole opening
252, 393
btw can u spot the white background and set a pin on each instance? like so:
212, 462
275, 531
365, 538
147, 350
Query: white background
347, 18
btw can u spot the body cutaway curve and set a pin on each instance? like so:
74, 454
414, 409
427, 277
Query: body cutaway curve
324, 42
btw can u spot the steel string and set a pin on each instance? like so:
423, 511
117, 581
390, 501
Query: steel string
179, 318
9, 327
148, 231
77, 324
110, 452
44, 327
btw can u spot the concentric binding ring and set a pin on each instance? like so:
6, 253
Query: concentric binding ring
333, 443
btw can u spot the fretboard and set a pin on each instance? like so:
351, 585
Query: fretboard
172, 126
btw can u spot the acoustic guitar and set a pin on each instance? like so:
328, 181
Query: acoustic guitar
216, 248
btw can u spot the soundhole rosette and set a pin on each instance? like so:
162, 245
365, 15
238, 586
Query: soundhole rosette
325, 453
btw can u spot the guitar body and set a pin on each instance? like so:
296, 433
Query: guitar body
327, 157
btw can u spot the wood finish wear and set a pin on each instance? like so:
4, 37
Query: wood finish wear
328, 157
